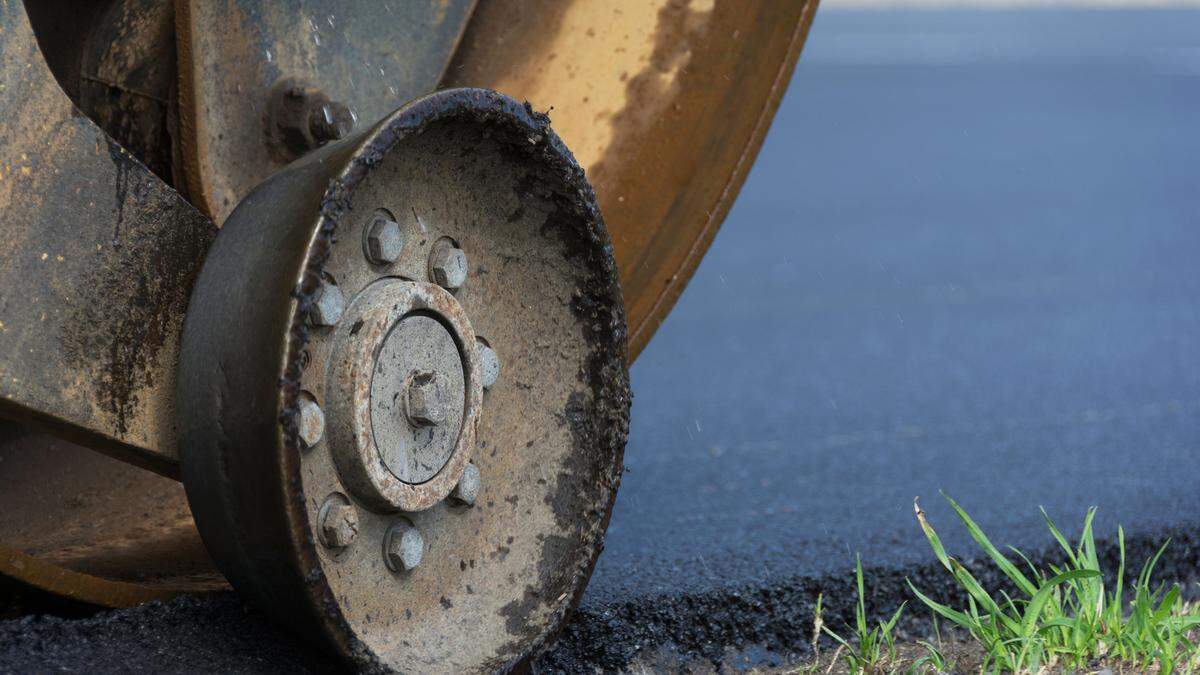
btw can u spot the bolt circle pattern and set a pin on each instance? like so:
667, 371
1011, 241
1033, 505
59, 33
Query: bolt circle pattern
388, 478
487, 175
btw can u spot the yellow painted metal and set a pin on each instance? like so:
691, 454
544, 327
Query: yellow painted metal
665, 104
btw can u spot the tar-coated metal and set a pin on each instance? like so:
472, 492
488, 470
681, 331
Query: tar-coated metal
96, 265
367, 55
126, 87
494, 580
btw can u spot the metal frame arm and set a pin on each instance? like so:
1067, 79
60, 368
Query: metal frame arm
97, 261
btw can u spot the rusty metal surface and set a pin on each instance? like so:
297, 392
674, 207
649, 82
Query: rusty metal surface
665, 103
96, 263
127, 78
372, 56
116, 61
497, 578
78, 524
362, 443
24, 577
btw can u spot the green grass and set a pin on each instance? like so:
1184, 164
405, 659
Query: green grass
871, 646
1066, 616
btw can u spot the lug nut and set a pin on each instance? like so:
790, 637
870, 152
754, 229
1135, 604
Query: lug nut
426, 404
339, 522
489, 362
467, 490
384, 240
448, 265
403, 546
311, 421
329, 305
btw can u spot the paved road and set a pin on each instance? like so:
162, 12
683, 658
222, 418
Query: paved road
966, 260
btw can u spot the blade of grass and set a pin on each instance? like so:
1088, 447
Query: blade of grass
953, 615
935, 542
1038, 603
1058, 536
1010, 570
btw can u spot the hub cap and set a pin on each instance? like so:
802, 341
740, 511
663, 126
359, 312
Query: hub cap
404, 394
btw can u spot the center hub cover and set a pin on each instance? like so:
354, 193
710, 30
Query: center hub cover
404, 394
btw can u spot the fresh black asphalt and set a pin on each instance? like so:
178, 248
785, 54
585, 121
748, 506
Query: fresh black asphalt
966, 260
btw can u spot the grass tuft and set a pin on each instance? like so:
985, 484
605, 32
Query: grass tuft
870, 649
1065, 616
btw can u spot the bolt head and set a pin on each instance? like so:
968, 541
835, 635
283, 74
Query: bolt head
426, 400
384, 241
339, 525
302, 118
329, 305
467, 490
328, 120
311, 421
404, 547
489, 362
448, 267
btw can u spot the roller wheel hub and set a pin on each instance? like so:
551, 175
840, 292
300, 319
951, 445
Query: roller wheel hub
405, 394
403, 390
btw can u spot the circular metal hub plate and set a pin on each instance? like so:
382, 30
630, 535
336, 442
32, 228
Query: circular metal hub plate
418, 367
333, 398
400, 372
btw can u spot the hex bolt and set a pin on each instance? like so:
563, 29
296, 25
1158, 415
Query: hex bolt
403, 546
339, 522
489, 362
426, 402
467, 490
302, 118
384, 240
328, 120
329, 305
448, 266
311, 421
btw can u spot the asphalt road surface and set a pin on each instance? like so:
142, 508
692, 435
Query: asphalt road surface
966, 260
